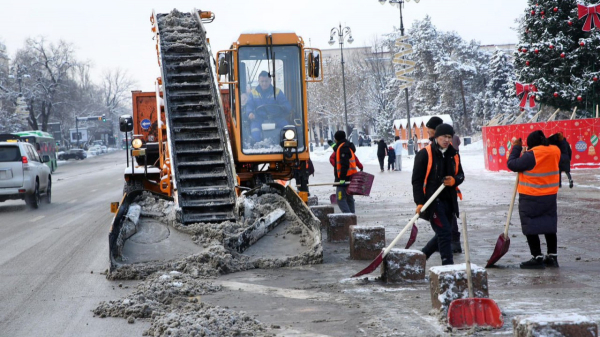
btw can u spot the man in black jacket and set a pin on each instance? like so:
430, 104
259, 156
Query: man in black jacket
345, 166
445, 169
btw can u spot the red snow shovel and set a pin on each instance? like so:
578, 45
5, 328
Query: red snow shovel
413, 236
464, 313
503, 241
333, 199
371, 267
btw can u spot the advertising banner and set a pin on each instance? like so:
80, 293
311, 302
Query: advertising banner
582, 135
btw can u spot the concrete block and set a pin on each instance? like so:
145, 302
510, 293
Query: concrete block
556, 325
313, 200
366, 242
402, 265
321, 213
448, 283
339, 226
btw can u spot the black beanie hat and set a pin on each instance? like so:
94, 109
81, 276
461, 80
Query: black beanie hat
340, 136
433, 122
444, 129
536, 138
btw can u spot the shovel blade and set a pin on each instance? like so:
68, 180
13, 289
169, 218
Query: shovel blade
333, 199
371, 267
413, 236
468, 312
502, 245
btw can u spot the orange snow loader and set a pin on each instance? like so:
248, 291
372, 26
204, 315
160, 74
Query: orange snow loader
218, 127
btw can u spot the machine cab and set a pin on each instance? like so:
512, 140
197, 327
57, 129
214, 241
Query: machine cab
266, 104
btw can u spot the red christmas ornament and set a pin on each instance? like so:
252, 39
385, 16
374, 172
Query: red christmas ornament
542, 12
524, 50
595, 78
520, 50
543, 16
579, 98
570, 23
551, 46
555, 9
582, 43
532, 12
555, 94
562, 55
527, 63
536, 50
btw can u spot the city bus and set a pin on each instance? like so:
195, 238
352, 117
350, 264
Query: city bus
44, 144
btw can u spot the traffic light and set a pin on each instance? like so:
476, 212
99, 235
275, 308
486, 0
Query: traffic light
103, 117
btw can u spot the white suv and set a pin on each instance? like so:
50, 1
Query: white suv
23, 174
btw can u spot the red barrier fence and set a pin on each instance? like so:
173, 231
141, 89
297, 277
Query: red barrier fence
582, 134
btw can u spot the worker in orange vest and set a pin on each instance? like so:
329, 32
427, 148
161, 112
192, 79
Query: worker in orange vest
345, 167
436, 164
538, 186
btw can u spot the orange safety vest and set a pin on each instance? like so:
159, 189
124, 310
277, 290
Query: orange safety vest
351, 169
430, 164
544, 178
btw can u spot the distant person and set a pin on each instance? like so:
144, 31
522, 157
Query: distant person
416, 144
381, 152
265, 104
538, 186
456, 142
391, 158
398, 150
565, 156
345, 167
438, 163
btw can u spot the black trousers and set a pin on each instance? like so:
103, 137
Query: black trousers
441, 222
381, 159
535, 246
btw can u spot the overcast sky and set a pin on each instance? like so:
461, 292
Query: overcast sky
116, 33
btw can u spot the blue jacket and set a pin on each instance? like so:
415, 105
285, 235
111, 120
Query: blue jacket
259, 97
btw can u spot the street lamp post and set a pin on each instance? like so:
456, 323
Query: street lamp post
342, 33
400, 3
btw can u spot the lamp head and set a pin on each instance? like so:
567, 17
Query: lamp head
331, 42
350, 39
382, 2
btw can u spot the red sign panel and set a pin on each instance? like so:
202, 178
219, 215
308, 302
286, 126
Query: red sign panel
582, 135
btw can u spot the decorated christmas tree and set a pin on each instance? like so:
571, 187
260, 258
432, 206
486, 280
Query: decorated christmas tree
559, 53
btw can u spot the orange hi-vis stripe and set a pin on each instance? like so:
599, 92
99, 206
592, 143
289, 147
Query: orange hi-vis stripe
544, 178
430, 163
351, 169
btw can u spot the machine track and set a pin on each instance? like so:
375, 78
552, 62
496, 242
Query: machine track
199, 143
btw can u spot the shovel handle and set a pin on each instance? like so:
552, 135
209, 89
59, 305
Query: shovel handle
413, 220
463, 217
510, 209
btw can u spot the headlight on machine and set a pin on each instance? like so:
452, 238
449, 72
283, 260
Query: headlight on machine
136, 143
289, 134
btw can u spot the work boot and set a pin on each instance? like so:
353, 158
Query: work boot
456, 247
551, 260
535, 263
570, 183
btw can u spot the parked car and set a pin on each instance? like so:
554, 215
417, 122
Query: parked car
78, 154
60, 155
104, 149
364, 139
23, 173
95, 150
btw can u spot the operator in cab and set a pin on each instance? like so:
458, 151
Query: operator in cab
266, 105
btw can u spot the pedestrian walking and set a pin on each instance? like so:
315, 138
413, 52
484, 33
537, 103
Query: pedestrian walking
438, 163
456, 142
345, 165
538, 187
416, 144
391, 158
565, 156
398, 150
381, 152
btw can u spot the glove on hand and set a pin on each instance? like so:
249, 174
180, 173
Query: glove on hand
517, 142
342, 182
449, 181
418, 211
